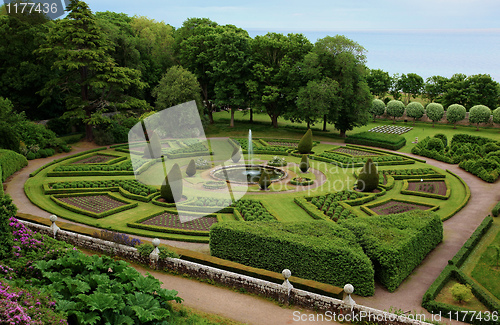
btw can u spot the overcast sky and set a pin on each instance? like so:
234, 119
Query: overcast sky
318, 14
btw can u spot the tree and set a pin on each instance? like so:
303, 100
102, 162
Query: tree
395, 89
455, 113
479, 114
343, 60
171, 189
461, 293
456, 91
306, 143
411, 84
483, 90
379, 82
434, 87
191, 168
87, 75
435, 112
9, 133
496, 115
415, 110
304, 164
275, 58
177, 86
368, 178
377, 108
395, 108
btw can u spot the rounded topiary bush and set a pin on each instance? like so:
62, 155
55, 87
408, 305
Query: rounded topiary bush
368, 177
304, 164
236, 155
171, 189
455, 113
395, 108
306, 143
377, 108
443, 138
479, 114
191, 168
435, 144
496, 115
415, 110
264, 180
435, 112
31, 156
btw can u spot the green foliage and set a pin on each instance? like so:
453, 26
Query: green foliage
191, 168
152, 149
7, 210
443, 138
146, 249
461, 293
9, 138
251, 210
315, 101
379, 82
236, 155
317, 250
395, 108
304, 163
496, 115
377, 108
382, 140
11, 162
411, 84
435, 112
465, 251
368, 177
479, 114
264, 180
455, 113
171, 189
435, 144
306, 143
496, 210
397, 244
415, 110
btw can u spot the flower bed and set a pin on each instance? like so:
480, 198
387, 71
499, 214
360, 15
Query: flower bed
170, 220
301, 181
96, 205
96, 159
277, 162
355, 152
396, 206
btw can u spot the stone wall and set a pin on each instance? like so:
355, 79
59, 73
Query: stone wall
464, 122
285, 293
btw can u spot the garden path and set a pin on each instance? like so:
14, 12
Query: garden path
253, 310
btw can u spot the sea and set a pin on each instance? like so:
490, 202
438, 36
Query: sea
424, 52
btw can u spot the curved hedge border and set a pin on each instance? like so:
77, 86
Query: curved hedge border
406, 184
47, 190
11, 162
465, 200
389, 185
65, 158
305, 182
128, 204
91, 173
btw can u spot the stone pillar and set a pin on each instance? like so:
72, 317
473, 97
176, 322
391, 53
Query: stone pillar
287, 286
54, 227
155, 254
349, 289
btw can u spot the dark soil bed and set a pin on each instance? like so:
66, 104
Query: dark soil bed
170, 220
394, 207
354, 152
431, 187
97, 159
94, 203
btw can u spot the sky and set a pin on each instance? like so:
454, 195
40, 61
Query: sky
427, 37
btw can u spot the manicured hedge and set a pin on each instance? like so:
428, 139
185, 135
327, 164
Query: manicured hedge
397, 244
11, 162
382, 140
406, 185
471, 243
310, 208
464, 201
317, 250
374, 150
496, 210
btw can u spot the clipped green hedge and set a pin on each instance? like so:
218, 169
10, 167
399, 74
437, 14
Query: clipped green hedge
406, 185
374, 150
317, 250
11, 162
382, 140
396, 244
471, 243
464, 201
310, 208
1, 177
496, 210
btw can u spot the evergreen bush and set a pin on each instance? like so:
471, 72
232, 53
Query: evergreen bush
455, 113
395, 108
368, 178
435, 144
7, 210
306, 143
191, 168
152, 149
377, 108
443, 138
479, 114
171, 189
415, 110
264, 180
304, 164
435, 112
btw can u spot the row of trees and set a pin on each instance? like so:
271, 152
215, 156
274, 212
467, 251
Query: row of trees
459, 89
435, 112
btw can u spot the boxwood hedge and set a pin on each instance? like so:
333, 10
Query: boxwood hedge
382, 140
396, 244
11, 162
317, 250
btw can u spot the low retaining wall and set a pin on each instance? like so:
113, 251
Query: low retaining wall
285, 293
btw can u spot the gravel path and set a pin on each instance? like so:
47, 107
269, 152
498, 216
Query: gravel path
254, 310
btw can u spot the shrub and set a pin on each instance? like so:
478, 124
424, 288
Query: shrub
377, 108
397, 243
191, 168
395, 108
317, 250
496, 210
443, 138
171, 189
496, 115
30, 156
479, 114
306, 143
236, 155
264, 180
455, 113
8, 137
435, 112
435, 144
304, 163
415, 110
382, 140
461, 293
7, 210
11, 162
153, 148
368, 177
103, 137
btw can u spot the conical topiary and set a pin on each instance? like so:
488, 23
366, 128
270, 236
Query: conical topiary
191, 168
304, 164
368, 177
306, 143
153, 147
264, 180
236, 155
171, 189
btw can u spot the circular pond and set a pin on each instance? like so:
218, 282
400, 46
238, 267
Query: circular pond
249, 174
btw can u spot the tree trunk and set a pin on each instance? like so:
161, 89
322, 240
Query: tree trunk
210, 114
308, 125
274, 121
251, 115
342, 134
324, 122
89, 136
231, 124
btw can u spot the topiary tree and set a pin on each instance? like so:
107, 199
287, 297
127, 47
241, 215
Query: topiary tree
153, 148
191, 168
496, 115
377, 108
264, 180
236, 155
443, 138
479, 114
395, 108
461, 293
7, 210
304, 163
171, 189
435, 144
368, 177
455, 113
306, 143
415, 110
435, 112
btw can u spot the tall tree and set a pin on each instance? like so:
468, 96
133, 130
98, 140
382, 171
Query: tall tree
483, 90
411, 84
87, 75
456, 91
275, 58
176, 87
434, 87
395, 89
379, 82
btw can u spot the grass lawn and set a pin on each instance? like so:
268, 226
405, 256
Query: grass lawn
486, 271
445, 297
